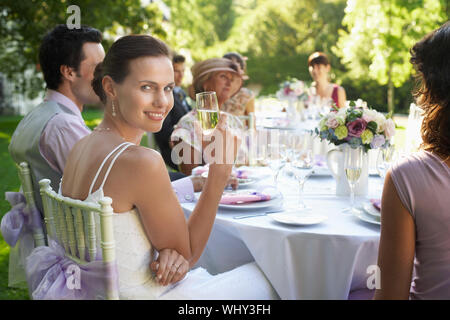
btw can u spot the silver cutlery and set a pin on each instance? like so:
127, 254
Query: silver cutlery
257, 214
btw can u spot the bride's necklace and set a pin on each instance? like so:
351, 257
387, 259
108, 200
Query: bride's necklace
99, 129
102, 129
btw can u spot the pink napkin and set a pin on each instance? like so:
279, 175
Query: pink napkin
376, 203
244, 198
199, 170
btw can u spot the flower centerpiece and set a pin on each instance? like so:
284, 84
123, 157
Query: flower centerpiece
358, 126
293, 90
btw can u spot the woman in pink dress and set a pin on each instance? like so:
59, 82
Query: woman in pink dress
319, 68
414, 252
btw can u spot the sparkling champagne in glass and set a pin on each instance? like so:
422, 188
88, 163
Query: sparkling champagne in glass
207, 110
353, 163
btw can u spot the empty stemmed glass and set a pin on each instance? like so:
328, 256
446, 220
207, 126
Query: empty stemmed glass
276, 158
384, 160
302, 168
353, 163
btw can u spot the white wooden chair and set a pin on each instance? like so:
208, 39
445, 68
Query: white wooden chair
27, 188
67, 221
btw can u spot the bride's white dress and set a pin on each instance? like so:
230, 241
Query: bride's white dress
134, 254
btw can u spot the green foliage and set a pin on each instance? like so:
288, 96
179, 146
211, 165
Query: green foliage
379, 35
23, 24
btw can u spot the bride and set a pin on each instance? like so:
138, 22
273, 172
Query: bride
135, 83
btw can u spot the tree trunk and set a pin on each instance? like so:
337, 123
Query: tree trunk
390, 92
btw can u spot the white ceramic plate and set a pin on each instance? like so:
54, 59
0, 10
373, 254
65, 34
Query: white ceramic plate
367, 217
280, 127
321, 171
275, 201
246, 182
369, 208
298, 219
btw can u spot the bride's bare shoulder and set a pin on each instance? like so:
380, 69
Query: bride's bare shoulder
142, 158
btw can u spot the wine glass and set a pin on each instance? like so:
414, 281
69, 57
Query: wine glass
384, 160
207, 110
302, 167
353, 163
276, 158
258, 147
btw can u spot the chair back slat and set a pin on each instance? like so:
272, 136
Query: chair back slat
27, 187
62, 226
76, 229
54, 209
79, 231
92, 238
70, 230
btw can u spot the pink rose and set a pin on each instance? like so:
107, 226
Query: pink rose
287, 90
355, 128
332, 123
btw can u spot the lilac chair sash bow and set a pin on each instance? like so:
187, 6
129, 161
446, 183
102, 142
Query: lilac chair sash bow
20, 220
17, 227
53, 276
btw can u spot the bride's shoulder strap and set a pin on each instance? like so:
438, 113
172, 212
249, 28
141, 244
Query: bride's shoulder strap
125, 145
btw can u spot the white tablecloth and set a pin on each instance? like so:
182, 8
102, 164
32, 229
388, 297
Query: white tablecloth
322, 261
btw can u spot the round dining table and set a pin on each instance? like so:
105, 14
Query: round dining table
333, 259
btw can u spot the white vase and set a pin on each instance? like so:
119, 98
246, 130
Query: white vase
335, 162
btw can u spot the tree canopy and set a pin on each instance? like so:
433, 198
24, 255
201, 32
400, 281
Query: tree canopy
368, 41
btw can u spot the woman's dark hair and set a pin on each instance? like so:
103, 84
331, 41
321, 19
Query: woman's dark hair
118, 57
63, 46
431, 59
318, 58
178, 58
236, 56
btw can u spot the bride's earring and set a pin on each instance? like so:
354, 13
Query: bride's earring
113, 109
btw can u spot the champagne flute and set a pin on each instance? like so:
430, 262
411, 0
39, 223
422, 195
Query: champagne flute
353, 163
207, 110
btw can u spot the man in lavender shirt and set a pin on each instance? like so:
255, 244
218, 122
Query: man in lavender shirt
46, 135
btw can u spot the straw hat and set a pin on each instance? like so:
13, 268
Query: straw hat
203, 70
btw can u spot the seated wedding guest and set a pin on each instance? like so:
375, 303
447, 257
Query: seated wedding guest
319, 68
45, 136
135, 83
414, 250
216, 74
243, 102
180, 108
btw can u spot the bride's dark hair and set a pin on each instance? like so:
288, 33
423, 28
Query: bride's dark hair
431, 59
120, 54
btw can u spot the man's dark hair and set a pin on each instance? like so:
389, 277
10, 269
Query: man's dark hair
63, 46
178, 58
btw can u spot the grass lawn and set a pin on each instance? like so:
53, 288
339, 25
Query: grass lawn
10, 182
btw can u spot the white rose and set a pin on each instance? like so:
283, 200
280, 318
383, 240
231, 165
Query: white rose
380, 119
369, 115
